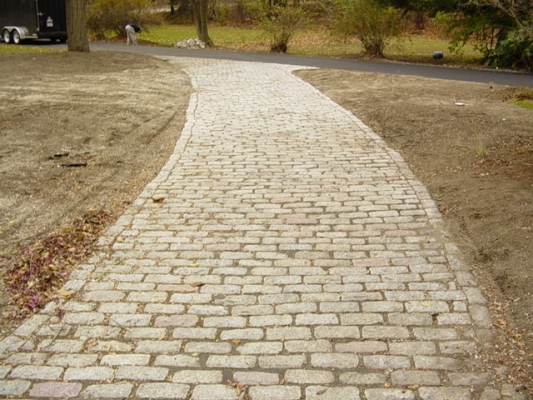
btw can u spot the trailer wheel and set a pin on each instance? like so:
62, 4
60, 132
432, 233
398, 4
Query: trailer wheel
6, 36
15, 37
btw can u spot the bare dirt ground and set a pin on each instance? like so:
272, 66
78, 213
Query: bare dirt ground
116, 115
476, 159
121, 114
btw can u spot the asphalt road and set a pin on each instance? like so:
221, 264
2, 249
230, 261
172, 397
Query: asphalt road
426, 71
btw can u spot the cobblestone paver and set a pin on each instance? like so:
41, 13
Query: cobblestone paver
293, 256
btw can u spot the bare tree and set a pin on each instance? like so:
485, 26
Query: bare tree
519, 11
199, 8
76, 26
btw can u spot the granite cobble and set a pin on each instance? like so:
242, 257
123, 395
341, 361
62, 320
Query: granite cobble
294, 256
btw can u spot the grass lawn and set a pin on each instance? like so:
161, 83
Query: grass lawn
25, 48
316, 42
223, 37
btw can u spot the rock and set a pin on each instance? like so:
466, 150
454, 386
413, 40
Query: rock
191, 44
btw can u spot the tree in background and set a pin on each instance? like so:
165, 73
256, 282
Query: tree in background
199, 8
76, 26
374, 23
280, 23
502, 30
180, 12
113, 15
514, 37
173, 4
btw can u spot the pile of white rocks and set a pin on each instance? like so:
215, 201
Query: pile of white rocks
191, 44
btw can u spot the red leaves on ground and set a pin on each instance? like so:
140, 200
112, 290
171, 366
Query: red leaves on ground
34, 273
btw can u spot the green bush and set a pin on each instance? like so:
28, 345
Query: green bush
317, 11
503, 43
280, 24
111, 16
219, 14
514, 50
373, 23
476, 29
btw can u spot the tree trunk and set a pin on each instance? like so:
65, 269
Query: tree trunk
199, 8
420, 21
76, 26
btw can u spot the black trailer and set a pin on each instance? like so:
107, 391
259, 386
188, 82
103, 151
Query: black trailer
33, 19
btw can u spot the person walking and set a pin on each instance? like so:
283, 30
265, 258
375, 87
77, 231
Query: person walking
131, 30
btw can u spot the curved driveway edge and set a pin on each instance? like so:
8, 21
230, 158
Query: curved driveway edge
498, 77
283, 252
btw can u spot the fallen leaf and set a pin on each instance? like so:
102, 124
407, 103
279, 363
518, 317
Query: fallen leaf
65, 293
240, 387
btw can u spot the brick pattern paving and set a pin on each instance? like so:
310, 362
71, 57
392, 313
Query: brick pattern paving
294, 256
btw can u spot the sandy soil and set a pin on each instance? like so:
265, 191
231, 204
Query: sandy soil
121, 114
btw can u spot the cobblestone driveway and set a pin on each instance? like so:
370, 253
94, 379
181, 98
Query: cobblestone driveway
290, 255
